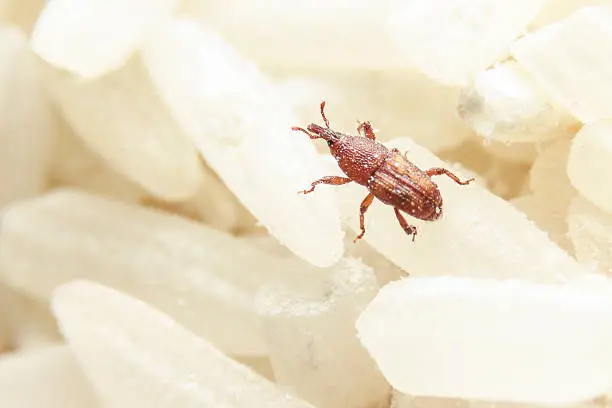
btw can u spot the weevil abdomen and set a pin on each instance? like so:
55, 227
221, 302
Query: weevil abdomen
399, 183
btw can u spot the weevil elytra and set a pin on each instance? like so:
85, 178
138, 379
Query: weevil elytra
386, 173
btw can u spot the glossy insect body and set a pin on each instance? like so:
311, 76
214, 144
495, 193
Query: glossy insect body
386, 173
403, 185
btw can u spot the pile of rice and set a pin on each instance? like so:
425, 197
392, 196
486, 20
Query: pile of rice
154, 251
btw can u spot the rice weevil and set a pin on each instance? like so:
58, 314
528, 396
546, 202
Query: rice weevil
386, 173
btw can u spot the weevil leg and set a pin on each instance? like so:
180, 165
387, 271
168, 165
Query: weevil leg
396, 150
365, 204
366, 128
438, 171
323, 114
408, 229
333, 180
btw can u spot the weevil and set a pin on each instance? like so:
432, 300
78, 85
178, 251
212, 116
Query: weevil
386, 173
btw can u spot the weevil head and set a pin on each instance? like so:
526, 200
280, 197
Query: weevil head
330, 136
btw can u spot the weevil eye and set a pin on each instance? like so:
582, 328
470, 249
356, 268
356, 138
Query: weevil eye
330, 142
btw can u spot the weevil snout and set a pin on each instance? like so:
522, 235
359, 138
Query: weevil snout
326, 134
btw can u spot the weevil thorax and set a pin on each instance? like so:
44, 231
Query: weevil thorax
358, 157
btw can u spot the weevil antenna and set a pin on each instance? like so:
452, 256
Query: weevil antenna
323, 114
310, 135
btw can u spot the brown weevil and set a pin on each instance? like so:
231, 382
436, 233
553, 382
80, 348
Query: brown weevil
386, 173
